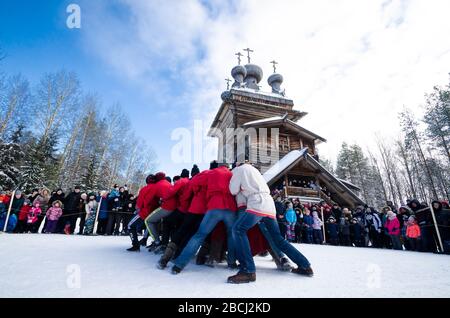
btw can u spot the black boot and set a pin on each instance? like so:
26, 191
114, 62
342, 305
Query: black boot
303, 271
167, 256
242, 278
176, 270
143, 242
134, 248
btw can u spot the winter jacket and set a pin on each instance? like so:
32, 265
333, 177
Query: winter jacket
333, 230
344, 228
103, 212
372, 220
356, 230
177, 193
247, 180
218, 193
317, 224
392, 226
196, 194
71, 202
147, 201
290, 216
23, 214
162, 190
5, 199
279, 207
17, 205
91, 207
413, 231
43, 202
54, 213
33, 214
308, 221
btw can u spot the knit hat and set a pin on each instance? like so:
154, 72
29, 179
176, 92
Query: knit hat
150, 179
195, 170
184, 173
213, 165
411, 218
18, 192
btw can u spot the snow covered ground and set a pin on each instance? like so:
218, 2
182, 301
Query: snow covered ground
76, 266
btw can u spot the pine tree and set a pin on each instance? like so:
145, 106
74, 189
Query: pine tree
437, 119
89, 180
10, 158
39, 168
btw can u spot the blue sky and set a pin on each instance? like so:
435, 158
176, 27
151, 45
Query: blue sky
165, 61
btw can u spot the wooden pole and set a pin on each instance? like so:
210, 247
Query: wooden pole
436, 226
96, 216
9, 211
323, 224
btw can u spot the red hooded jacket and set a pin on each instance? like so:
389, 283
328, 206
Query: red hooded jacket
196, 193
218, 190
146, 201
163, 190
177, 192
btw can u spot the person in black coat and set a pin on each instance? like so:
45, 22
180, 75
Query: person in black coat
128, 210
66, 223
280, 209
356, 232
34, 194
333, 231
425, 221
336, 211
442, 214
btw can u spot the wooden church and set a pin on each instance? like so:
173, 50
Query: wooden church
262, 127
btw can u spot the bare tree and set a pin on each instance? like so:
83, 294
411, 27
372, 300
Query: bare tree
13, 103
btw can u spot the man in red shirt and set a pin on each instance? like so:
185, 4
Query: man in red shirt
221, 206
144, 205
161, 192
194, 197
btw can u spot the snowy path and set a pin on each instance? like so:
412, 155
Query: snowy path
42, 266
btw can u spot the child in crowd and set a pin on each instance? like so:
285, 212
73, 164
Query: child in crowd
33, 215
412, 233
333, 231
23, 216
53, 214
317, 228
91, 212
344, 229
291, 219
356, 232
392, 226
307, 225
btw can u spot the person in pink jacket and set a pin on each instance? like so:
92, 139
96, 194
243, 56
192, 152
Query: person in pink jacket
53, 214
33, 215
392, 225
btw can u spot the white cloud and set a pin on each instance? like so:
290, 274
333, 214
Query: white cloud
351, 64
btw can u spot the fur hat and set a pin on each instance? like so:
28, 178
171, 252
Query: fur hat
160, 176
57, 201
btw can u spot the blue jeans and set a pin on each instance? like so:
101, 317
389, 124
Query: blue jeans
243, 251
265, 233
209, 222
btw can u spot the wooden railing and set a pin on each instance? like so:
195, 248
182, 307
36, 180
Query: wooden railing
307, 192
